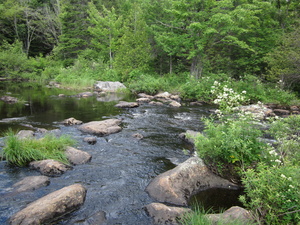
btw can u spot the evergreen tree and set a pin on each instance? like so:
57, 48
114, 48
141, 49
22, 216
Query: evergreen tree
74, 24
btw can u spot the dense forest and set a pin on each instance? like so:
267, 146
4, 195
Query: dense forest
162, 43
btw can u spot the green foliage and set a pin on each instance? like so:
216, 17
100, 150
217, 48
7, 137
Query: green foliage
12, 60
147, 84
284, 60
232, 142
272, 188
20, 152
84, 73
273, 194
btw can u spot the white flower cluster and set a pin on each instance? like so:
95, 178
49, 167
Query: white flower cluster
275, 157
227, 97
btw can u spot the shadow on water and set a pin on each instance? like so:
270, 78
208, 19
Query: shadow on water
121, 166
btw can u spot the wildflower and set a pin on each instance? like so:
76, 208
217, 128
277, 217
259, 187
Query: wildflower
278, 161
283, 176
244, 92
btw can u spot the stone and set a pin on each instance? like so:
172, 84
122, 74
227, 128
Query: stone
259, 111
109, 86
281, 112
138, 136
175, 97
143, 100
9, 99
189, 136
51, 207
85, 94
61, 95
177, 185
123, 104
31, 183
71, 121
76, 156
25, 134
50, 167
96, 219
163, 214
294, 108
174, 104
197, 103
231, 215
165, 95
102, 128
143, 95
90, 140
156, 103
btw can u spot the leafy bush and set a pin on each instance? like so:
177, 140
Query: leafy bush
234, 142
20, 152
272, 188
12, 60
273, 193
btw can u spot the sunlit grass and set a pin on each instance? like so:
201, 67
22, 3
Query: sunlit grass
20, 152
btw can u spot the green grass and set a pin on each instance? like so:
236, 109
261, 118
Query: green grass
20, 152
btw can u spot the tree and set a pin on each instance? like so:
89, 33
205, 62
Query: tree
134, 51
284, 61
74, 36
105, 31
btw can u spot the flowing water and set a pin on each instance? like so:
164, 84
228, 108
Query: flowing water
121, 166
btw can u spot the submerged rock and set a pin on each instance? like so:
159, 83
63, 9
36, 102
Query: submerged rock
174, 104
52, 206
76, 156
123, 104
102, 128
189, 136
71, 121
31, 183
50, 167
177, 185
90, 140
163, 214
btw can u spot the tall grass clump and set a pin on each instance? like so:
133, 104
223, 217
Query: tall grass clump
20, 152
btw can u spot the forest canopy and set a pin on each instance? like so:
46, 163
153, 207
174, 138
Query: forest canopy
122, 40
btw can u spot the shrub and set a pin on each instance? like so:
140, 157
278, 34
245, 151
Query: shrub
20, 152
273, 194
231, 144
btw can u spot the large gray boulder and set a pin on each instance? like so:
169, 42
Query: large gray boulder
177, 185
50, 207
22, 134
109, 86
102, 128
162, 214
31, 183
76, 156
50, 167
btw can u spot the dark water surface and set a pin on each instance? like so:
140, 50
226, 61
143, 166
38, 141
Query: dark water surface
121, 166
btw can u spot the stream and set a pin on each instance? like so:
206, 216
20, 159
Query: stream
121, 166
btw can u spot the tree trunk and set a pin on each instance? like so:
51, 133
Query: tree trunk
196, 67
